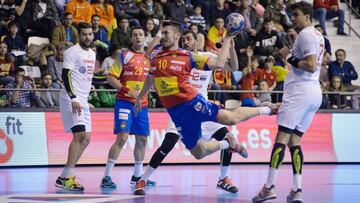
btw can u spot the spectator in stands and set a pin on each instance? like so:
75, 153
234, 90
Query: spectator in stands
324, 72
150, 31
22, 98
247, 80
328, 9
197, 19
105, 11
267, 41
178, 11
290, 37
242, 41
129, 9
217, 10
100, 37
7, 14
276, 12
60, 6
253, 22
65, 34
151, 9
344, 69
23, 17
281, 73
327, 41
223, 80
268, 74
3, 96
260, 10
215, 35
6, 65
355, 101
16, 44
48, 98
338, 101
55, 65
109, 61
262, 97
121, 36
81, 11
45, 17
200, 41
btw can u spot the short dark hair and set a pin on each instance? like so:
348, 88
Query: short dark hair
304, 7
175, 24
18, 69
95, 15
12, 23
67, 14
267, 20
83, 25
191, 32
317, 25
343, 50
136, 28
45, 74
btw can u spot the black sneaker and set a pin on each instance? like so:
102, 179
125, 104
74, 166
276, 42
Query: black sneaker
342, 33
134, 180
226, 184
107, 183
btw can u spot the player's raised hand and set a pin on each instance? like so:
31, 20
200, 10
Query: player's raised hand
284, 52
138, 107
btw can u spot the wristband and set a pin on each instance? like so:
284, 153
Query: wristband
75, 100
293, 61
264, 110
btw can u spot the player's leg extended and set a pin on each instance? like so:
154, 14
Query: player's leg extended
276, 158
225, 159
239, 114
80, 141
297, 159
139, 153
166, 146
113, 155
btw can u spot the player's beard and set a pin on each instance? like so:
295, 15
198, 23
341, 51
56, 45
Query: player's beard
85, 44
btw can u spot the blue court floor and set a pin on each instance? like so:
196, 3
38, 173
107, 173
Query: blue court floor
185, 183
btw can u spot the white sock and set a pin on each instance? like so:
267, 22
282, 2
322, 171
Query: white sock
138, 168
224, 144
148, 172
264, 110
223, 171
109, 166
271, 177
297, 182
67, 172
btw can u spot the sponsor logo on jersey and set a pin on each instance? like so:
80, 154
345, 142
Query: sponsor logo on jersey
82, 69
198, 106
203, 77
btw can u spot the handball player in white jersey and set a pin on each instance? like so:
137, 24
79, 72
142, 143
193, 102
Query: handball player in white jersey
302, 98
200, 80
77, 74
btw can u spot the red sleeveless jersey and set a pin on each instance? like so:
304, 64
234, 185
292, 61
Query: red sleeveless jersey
171, 70
131, 72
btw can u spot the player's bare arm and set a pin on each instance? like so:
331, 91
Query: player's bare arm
75, 102
220, 61
308, 64
148, 83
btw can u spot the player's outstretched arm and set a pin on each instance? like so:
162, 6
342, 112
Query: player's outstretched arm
234, 62
219, 62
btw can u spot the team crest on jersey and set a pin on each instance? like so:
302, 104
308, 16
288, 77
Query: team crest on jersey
174, 54
82, 69
164, 85
123, 124
198, 106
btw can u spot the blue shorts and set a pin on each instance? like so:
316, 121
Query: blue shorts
189, 116
126, 122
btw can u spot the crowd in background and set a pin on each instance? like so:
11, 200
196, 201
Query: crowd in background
268, 28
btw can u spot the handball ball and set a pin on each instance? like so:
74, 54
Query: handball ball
235, 23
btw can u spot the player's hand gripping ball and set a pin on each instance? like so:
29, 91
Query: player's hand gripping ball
235, 23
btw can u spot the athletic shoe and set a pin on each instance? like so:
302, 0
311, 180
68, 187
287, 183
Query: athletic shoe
69, 184
227, 185
134, 180
107, 183
235, 145
140, 188
295, 196
265, 194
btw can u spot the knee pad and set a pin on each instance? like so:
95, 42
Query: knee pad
169, 142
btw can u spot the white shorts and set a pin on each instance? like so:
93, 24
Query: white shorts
208, 129
70, 119
299, 105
